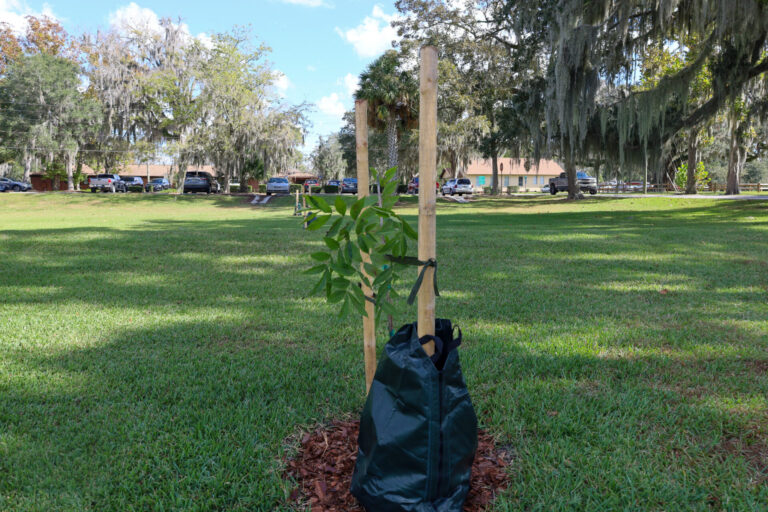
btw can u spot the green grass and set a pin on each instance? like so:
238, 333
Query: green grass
155, 352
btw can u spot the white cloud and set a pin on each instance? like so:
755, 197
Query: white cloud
134, 17
373, 36
283, 83
307, 3
351, 83
332, 106
13, 12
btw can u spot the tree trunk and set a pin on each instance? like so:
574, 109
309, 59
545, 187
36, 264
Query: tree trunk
27, 165
693, 146
570, 168
734, 159
70, 177
495, 170
391, 141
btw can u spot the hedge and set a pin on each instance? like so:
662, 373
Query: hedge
331, 189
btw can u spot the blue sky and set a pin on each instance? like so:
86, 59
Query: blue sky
321, 46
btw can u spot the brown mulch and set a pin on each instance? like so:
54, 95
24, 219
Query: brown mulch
323, 469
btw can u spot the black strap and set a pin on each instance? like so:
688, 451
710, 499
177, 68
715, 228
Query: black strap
439, 346
410, 260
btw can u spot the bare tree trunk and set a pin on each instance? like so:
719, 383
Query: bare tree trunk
70, 180
27, 164
693, 146
570, 168
495, 170
734, 159
391, 141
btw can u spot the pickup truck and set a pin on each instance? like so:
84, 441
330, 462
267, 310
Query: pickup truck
560, 184
107, 183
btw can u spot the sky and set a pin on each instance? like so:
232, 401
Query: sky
319, 46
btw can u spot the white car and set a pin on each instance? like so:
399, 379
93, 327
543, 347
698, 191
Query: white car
278, 186
460, 186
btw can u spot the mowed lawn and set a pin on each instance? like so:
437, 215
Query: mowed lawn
157, 352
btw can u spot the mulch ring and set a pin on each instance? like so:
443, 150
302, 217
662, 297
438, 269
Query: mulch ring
325, 461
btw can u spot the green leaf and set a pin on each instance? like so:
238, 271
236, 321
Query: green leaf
341, 206
320, 256
363, 245
336, 297
390, 173
386, 307
318, 223
331, 243
320, 286
409, 231
344, 270
390, 189
319, 203
346, 308
356, 208
340, 283
334, 227
316, 269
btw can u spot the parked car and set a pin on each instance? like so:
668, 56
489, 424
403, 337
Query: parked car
3, 188
278, 186
635, 186
545, 189
560, 184
334, 183
16, 186
133, 183
310, 183
200, 181
460, 186
413, 186
157, 185
106, 183
349, 186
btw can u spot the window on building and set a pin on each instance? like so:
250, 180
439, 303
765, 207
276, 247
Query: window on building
480, 181
506, 181
520, 181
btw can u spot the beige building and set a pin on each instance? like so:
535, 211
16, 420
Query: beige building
513, 173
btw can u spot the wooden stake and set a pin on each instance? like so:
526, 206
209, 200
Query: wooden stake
427, 193
363, 173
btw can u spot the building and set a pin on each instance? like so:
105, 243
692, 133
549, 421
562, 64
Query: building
513, 173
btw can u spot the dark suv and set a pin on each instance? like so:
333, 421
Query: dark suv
158, 184
349, 186
200, 181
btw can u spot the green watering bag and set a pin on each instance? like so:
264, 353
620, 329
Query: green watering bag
418, 430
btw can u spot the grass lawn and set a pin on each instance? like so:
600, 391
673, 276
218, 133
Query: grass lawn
155, 352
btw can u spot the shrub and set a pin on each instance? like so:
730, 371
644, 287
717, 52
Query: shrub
234, 189
701, 175
402, 189
262, 189
331, 189
487, 190
513, 189
296, 188
316, 189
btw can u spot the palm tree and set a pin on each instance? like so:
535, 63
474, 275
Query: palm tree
392, 95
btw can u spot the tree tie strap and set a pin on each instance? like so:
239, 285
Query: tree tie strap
410, 260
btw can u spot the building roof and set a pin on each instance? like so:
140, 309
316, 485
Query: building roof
514, 167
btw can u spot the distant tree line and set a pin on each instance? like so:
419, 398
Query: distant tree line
630, 88
137, 95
